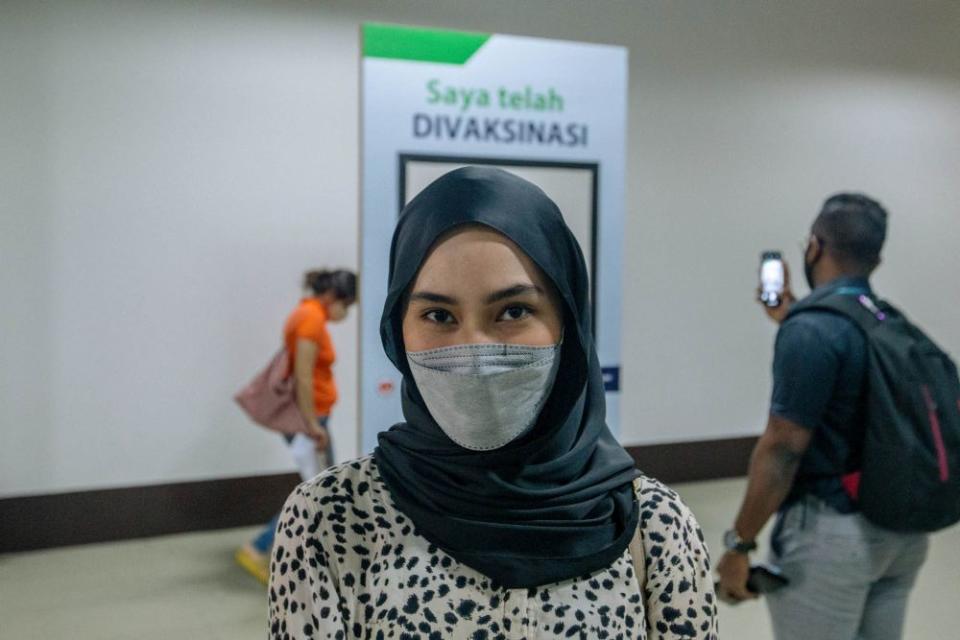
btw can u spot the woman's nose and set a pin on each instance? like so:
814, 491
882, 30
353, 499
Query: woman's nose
477, 335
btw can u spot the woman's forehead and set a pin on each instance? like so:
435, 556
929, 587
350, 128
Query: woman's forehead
474, 238
474, 255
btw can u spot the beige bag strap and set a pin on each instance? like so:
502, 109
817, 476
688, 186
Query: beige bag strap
637, 552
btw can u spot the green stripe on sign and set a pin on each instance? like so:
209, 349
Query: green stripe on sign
424, 45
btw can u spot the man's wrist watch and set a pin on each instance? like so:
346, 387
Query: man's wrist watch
733, 542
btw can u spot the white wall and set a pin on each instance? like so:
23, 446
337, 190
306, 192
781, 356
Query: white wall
175, 170
168, 170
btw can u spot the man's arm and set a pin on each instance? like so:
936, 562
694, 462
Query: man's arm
773, 466
805, 370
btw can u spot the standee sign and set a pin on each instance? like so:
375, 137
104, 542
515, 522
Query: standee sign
552, 112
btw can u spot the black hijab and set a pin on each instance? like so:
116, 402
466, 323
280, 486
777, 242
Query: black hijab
555, 504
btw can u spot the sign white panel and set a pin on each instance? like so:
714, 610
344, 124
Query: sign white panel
552, 112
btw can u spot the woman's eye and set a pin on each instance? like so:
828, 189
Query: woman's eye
515, 312
439, 316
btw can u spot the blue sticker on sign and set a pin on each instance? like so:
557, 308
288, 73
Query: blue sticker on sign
611, 378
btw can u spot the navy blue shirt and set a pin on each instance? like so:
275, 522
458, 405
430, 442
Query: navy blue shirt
819, 376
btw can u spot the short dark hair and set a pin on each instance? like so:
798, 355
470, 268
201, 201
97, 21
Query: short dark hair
342, 283
853, 227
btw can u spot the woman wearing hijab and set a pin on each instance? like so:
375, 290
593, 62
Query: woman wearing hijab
502, 507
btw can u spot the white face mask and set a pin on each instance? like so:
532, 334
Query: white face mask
485, 396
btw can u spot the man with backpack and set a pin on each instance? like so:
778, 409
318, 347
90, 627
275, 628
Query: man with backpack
861, 454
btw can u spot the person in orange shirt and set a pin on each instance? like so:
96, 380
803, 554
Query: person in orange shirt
328, 296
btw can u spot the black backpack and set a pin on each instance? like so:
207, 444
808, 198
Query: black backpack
909, 477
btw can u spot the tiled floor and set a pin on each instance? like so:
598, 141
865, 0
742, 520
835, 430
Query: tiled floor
187, 587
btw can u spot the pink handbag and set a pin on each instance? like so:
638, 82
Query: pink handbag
270, 398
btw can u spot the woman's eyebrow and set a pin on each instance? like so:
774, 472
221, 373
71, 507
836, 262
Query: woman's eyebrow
427, 296
510, 292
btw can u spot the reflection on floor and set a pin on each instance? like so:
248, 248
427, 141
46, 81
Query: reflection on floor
187, 586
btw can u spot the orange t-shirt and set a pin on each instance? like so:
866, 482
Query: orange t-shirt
309, 322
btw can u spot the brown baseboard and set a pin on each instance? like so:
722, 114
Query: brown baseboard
64, 519
693, 461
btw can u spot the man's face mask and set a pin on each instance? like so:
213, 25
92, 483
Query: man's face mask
485, 396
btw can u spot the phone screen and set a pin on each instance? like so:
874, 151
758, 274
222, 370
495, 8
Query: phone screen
772, 278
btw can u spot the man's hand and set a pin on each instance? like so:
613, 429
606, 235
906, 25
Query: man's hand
778, 314
734, 570
319, 435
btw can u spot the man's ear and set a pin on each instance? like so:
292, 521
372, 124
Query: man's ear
816, 248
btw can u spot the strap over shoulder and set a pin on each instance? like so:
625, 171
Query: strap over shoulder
861, 309
637, 552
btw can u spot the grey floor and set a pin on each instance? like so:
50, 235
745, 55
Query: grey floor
187, 586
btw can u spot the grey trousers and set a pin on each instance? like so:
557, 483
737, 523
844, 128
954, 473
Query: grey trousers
849, 579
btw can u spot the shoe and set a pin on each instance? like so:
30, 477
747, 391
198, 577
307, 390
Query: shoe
255, 563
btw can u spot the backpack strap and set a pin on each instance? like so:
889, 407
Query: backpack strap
859, 308
637, 552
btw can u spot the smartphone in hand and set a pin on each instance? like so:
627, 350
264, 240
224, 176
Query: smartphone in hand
772, 278
765, 579
762, 579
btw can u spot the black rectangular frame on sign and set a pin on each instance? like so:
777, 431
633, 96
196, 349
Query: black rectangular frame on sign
592, 167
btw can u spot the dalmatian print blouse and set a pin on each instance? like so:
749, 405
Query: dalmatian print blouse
348, 564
